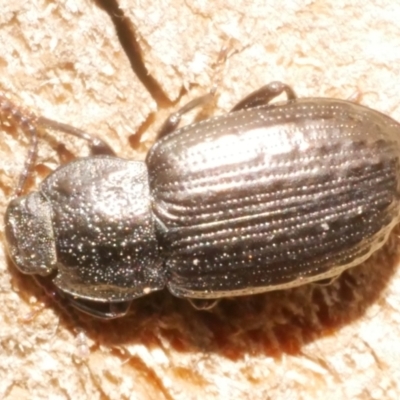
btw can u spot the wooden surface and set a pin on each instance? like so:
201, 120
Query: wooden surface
65, 60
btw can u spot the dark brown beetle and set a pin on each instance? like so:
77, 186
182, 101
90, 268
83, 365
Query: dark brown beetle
269, 196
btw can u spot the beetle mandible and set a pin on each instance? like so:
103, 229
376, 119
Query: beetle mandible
266, 197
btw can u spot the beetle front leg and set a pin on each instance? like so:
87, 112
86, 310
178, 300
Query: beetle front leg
99, 310
264, 95
69, 303
97, 146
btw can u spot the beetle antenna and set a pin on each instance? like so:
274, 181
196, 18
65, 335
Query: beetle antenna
26, 121
29, 123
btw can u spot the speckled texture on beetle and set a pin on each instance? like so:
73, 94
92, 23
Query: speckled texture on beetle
266, 197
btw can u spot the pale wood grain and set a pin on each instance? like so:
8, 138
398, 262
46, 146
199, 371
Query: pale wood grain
64, 60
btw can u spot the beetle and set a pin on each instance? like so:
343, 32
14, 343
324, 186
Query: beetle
269, 196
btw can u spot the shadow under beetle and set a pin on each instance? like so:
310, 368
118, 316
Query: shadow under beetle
266, 197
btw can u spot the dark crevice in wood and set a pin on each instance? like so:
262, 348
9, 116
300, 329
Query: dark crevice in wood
127, 38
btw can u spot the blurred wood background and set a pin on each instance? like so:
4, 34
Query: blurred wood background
117, 69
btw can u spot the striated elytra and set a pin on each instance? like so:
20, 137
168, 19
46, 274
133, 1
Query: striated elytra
269, 196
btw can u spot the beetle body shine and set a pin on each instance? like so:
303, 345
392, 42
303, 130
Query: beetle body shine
263, 198
274, 197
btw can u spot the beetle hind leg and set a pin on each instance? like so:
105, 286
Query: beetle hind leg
264, 95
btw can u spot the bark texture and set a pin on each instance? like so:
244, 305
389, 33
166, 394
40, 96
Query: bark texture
117, 69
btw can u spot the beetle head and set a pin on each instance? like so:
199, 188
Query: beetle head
29, 234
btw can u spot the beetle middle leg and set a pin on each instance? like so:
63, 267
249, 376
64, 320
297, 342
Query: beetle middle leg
257, 98
203, 304
327, 281
174, 119
264, 95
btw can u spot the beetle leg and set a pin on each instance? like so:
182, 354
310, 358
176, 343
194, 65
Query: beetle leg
97, 146
203, 304
264, 95
100, 310
327, 281
356, 96
173, 120
59, 298
69, 304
